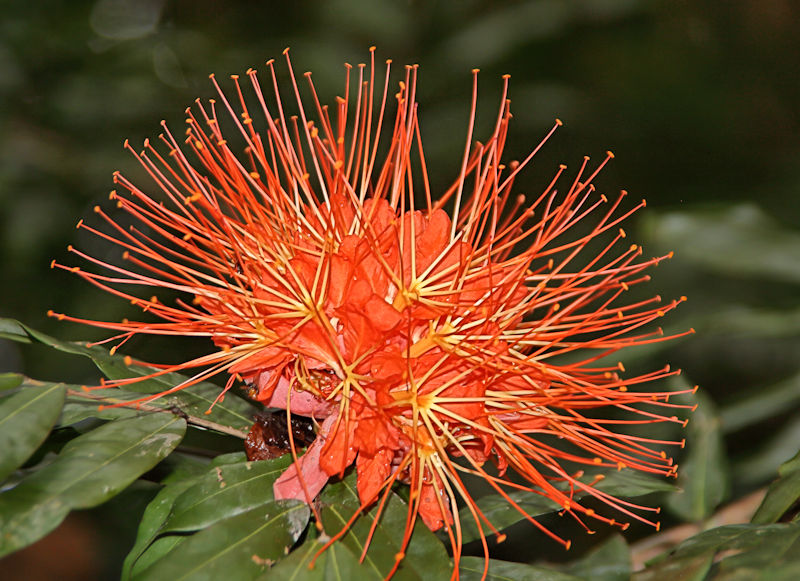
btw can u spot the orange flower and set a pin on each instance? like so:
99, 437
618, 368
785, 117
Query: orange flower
337, 287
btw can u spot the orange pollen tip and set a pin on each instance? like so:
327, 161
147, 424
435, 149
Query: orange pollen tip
126, 255
624, 286
101, 408
623, 388
475, 71
96, 209
621, 366
559, 122
127, 360
567, 545
79, 224
53, 263
610, 154
254, 175
625, 526
501, 537
399, 556
590, 512
85, 388
622, 232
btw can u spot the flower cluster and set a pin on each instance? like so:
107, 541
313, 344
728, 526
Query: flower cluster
431, 336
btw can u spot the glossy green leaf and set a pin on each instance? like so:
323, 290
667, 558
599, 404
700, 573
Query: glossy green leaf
735, 551
13, 330
184, 475
10, 381
425, 557
232, 412
155, 550
471, 569
685, 569
336, 563
628, 483
703, 475
620, 483
25, 420
611, 561
782, 494
89, 470
241, 547
502, 514
740, 240
225, 491
77, 409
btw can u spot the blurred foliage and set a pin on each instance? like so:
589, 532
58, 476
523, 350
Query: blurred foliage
697, 100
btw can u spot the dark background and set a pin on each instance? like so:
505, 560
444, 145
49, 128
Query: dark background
697, 99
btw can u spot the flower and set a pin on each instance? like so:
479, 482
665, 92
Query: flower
431, 336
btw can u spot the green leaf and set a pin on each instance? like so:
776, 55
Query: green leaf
611, 561
502, 514
471, 569
685, 569
13, 330
9, 381
621, 483
734, 551
336, 563
703, 475
782, 494
25, 420
225, 491
183, 476
629, 483
89, 470
241, 547
740, 240
232, 412
425, 557
78, 408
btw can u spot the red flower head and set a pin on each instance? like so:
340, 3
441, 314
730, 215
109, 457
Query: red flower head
424, 332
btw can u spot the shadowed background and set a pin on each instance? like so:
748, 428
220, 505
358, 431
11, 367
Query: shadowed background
698, 101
